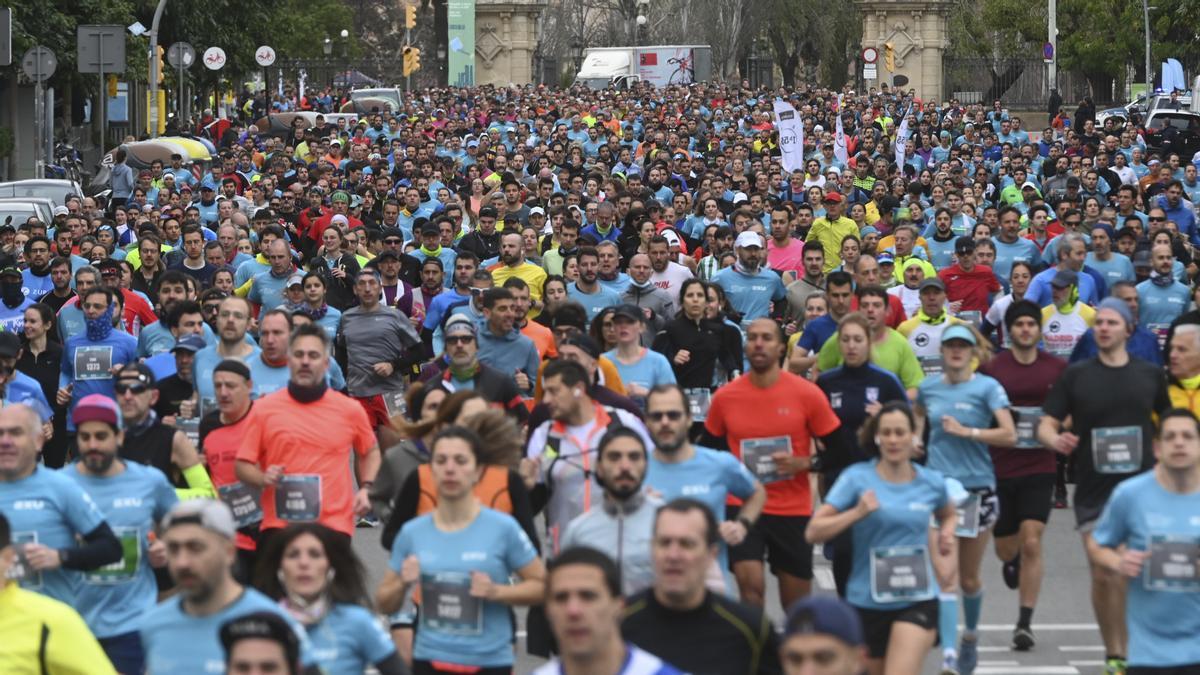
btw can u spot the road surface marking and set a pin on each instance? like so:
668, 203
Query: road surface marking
1086, 664
1028, 670
824, 577
1005, 627
1084, 648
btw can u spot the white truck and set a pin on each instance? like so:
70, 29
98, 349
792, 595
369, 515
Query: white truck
660, 66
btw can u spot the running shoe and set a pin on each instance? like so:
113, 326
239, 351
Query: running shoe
1022, 639
368, 520
1114, 667
968, 655
1060, 498
1011, 571
949, 665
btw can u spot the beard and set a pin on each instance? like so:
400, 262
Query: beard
99, 462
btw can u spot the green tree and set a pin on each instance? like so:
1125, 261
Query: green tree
815, 33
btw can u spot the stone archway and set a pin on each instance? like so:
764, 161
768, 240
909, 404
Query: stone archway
506, 36
917, 31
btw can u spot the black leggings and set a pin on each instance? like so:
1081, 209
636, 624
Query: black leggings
426, 668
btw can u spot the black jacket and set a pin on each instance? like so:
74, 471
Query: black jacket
708, 342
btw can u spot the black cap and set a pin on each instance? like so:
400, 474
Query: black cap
1064, 279
964, 244
261, 626
584, 342
430, 228
139, 372
389, 255
10, 345
488, 212
629, 311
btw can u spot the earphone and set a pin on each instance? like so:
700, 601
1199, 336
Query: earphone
877, 444
578, 393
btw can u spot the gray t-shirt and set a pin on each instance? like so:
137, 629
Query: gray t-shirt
382, 335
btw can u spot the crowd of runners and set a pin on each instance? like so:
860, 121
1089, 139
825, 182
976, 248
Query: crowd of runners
614, 356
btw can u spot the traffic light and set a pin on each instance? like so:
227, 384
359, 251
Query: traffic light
112, 86
412, 61
889, 57
158, 55
410, 16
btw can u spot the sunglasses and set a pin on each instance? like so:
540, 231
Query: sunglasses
459, 339
1157, 220
673, 415
126, 387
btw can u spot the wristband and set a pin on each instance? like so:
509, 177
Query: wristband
746, 523
366, 484
974, 432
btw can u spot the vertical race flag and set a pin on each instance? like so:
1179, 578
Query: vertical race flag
902, 139
791, 135
839, 138
460, 60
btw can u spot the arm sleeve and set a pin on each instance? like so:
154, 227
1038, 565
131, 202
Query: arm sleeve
522, 507
404, 509
100, 547
199, 485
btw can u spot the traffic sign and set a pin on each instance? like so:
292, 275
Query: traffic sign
1048, 51
214, 58
870, 55
101, 49
265, 56
870, 72
181, 55
39, 63
5, 36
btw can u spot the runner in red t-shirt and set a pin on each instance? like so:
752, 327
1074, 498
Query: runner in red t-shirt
968, 283
769, 418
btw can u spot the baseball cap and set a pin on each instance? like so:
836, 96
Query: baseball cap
1064, 278
60, 211
964, 244
885, 258
931, 282
748, 239
537, 211
389, 255
210, 514
10, 345
97, 408
430, 227
189, 343
1029, 184
629, 311
824, 615
671, 237
10, 270
958, 331
138, 372
460, 324
261, 626
834, 197
584, 342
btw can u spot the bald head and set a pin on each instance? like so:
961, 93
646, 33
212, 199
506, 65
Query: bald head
20, 441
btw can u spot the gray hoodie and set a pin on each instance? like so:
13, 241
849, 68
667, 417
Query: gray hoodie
658, 301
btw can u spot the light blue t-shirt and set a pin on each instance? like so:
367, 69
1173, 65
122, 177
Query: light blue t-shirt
349, 639
466, 632
1162, 612
113, 597
270, 379
594, 303
157, 338
86, 364
48, 508
1116, 268
649, 371
177, 642
709, 476
972, 403
902, 520
1021, 250
1158, 306
202, 370
751, 295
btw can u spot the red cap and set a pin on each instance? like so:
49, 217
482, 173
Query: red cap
834, 197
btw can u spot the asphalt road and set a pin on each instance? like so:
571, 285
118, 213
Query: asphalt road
1068, 642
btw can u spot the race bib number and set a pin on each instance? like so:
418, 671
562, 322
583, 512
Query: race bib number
21, 571
968, 517
900, 573
448, 606
931, 365
1172, 564
298, 498
190, 426
243, 500
93, 363
973, 317
1117, 449
757, 456
395, 404
699, 400
1027, 420
125, 568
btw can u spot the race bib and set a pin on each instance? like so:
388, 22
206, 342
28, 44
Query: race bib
757, 456
243, 501
900, 573
699, 399
190, 426
395, 404
448, 606
1027, 420
1160, 331
125, 568
968, 517
93, 363
298, 498
21, 571
931, 365
1117, 449
973, 316
207, 405
1172, 564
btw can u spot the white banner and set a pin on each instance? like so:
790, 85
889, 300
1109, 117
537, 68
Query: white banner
839, 138
791, 135
901, 139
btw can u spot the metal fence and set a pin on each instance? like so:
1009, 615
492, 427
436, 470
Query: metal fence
1019, 83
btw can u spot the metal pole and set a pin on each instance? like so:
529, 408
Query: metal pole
103, 93
1053, 40
48, 122
153, 107
179, 95
407, 43
1146, 26
39, 155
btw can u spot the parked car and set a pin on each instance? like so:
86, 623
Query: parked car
56, 190
1175, 131
21, 209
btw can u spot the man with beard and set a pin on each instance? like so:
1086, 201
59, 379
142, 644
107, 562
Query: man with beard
657, 304
158, 337
670, 275
133, 498
36, 280
679, 469
484, 240
625, 522
586, 290
60, 278
92, 358
501, 344
13, 299
181, 634
513, 264
751, 288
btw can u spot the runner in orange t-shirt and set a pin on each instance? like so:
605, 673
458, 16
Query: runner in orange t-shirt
298, 442
769, 418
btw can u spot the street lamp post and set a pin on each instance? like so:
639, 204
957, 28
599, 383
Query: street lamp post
327, 47
1146, 27
577, 53
642, 7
